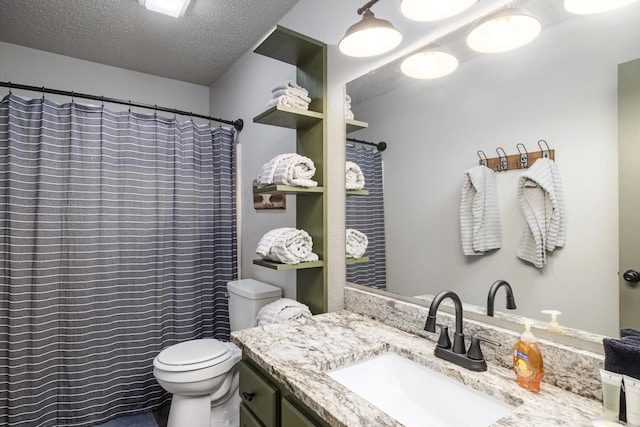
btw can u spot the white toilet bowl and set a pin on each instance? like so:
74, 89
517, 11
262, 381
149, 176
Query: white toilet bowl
201, 375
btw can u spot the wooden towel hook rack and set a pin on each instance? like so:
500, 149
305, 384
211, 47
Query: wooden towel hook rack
522, 160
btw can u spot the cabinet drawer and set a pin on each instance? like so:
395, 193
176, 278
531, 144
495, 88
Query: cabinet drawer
247, 419
292, 416
259, 395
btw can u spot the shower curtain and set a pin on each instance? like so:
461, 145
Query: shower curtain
366, 214
118, 240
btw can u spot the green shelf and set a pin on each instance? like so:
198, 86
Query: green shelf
280, 266
357, 192
354, 125
357, 260
287, 117
289, 46
287, 189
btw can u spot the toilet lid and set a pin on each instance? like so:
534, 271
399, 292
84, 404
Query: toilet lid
192, 352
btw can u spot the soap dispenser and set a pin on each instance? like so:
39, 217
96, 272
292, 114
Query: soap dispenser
527, 361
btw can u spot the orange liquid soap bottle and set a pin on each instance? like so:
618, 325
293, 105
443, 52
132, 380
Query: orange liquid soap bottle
527, 361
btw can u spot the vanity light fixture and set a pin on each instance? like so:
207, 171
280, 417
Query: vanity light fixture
433, 10
371, 36
587, 7
175, 8
429, 64
504, 30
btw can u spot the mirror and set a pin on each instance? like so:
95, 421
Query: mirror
561, 88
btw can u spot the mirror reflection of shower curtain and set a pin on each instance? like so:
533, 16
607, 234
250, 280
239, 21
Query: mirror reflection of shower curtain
118, 240
366, 214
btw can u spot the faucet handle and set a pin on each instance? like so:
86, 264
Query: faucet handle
475, 352
443, 340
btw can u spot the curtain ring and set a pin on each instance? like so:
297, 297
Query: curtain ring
72, 95
129, 106
524, 157
102, 101
42, 92
10, 88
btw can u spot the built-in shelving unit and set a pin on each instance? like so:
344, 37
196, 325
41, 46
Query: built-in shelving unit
309, 56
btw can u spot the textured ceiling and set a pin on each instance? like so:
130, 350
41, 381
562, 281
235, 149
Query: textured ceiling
196, 48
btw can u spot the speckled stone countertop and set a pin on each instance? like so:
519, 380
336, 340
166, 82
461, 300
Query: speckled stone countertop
298, 353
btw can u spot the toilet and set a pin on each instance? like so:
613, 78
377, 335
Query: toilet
202, 374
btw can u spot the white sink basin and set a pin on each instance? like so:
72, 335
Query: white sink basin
418, 396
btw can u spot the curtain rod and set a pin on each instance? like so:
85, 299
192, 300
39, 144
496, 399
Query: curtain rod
237, 124
381, 146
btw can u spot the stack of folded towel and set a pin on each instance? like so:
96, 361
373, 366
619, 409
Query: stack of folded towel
542, 201
348, 114
282, 310
287, 245
357, 243
289, 94
354, 178
621, 356
288, 169
480, 227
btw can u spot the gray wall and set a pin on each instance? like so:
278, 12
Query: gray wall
38, 68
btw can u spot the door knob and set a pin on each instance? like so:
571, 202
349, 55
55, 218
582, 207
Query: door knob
631, 276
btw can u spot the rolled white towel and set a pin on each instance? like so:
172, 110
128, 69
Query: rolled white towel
282, 310
357, 243
347, 98
287, 84
348, 114
288, 101
288, 169
293, 92
354, 177
286, 245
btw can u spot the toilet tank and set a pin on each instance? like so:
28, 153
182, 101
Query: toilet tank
246, 298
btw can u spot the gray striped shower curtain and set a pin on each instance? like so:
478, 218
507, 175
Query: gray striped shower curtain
366, 214
118, 238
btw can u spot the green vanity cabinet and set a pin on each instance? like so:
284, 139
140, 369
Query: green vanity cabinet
266, 403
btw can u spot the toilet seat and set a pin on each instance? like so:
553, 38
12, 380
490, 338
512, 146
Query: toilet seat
192, 355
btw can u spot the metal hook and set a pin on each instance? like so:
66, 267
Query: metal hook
524, 157
503, 159
129, 106
546, 154
102, 101
483, 158
42, 92
9, 88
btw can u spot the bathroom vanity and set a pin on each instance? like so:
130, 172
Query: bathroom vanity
289, 362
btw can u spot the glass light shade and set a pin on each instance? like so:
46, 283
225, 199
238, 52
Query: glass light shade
433, 10
503, 31
175, 8
587, 7
429, 64
369, 37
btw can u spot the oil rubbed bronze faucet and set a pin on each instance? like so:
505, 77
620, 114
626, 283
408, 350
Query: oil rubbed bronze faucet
473, 360
511, 302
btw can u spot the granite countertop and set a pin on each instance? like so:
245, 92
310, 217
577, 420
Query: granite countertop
297, 354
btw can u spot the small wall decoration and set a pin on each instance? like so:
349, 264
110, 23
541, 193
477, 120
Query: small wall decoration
268, 201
